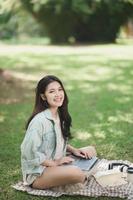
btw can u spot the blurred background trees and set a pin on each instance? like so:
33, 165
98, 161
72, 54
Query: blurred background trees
65, 21
16, 22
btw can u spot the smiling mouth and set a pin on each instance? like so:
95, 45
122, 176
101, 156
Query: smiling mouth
58, 100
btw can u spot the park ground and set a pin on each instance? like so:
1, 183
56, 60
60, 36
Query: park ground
99, 83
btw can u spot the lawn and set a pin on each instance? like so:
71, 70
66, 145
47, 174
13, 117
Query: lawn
99, 83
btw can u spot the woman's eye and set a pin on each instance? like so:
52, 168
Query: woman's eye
51, 91
60, 89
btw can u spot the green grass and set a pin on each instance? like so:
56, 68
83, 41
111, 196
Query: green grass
98, 80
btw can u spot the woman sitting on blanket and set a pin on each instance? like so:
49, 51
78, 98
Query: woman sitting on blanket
43, 150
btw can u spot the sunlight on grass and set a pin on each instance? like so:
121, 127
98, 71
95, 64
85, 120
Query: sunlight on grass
3, 114
89, 87
109, 150
123, 100
110, 50
117, 133
2, 118
83, 135
28, 77
91, 73
100, 134
121, 87
13, 172
123, 117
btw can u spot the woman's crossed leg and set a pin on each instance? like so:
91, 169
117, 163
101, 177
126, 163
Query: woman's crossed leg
59, 175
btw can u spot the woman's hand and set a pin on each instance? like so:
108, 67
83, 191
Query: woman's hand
64, 160
54, 163
49, 163
85, 152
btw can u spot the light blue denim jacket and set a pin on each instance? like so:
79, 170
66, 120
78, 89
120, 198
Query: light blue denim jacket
39, 143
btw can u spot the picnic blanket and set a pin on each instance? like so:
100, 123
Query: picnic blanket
91, 188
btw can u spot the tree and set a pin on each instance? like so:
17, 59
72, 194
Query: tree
84, 20
15, 22
8, 24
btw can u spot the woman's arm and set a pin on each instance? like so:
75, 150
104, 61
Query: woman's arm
75, 151
31, 143
57, 162
71, 149
85, 152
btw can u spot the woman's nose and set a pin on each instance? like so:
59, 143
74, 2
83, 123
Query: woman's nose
57, 93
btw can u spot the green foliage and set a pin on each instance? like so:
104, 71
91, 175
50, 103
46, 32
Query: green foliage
84, 20
15, 22
8, 25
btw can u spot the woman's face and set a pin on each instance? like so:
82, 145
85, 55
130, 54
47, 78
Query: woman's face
54, 94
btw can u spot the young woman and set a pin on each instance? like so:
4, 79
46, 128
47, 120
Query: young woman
43, 150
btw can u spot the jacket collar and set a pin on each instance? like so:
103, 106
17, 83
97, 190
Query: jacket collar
48, 114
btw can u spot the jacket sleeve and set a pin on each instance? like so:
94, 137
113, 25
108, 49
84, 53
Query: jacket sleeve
30, 148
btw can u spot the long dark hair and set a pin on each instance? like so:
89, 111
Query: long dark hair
41, 105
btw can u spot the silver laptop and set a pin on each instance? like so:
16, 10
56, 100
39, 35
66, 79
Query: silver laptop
85, 164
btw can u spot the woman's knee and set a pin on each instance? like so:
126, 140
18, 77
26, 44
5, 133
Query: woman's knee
77, 175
